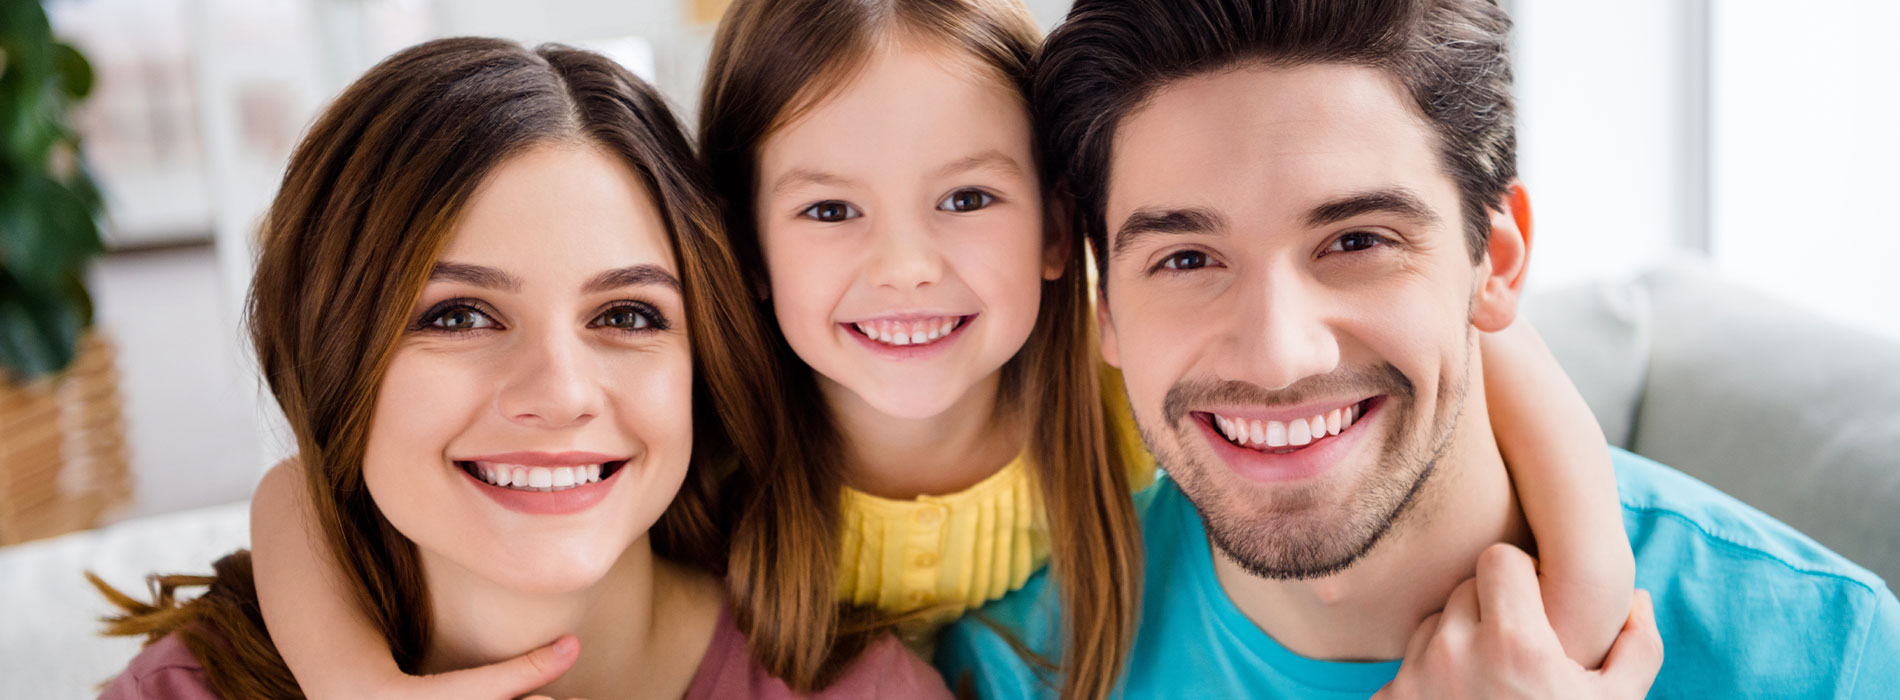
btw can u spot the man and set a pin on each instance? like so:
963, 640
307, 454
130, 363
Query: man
1307, 208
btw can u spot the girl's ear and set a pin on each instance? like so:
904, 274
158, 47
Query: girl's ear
1057, 234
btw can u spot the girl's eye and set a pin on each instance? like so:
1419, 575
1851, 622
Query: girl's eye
966, 200
631, 318
831, 211
1184, 261
457, 318
1355, 242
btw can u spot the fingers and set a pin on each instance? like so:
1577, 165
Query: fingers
1422, 638
1459, 622
1508, 590
509, 678
1638, 653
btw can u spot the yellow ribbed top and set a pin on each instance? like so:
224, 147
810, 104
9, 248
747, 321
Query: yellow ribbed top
955, 552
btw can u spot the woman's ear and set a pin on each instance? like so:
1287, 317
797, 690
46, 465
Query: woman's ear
1507, 257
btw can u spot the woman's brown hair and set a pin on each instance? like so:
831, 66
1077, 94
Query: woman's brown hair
366, 205
772, 59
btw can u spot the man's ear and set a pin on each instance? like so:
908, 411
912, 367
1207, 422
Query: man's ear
1507, 257
1058, 237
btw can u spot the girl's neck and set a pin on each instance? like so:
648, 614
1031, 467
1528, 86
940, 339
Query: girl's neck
644, 625
901, 458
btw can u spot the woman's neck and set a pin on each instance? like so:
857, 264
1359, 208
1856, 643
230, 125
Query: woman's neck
897, 457
644, 625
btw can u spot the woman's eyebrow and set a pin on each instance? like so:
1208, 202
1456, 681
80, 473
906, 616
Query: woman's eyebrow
476, 275
634, 276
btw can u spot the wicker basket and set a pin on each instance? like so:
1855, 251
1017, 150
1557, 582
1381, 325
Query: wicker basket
62, 448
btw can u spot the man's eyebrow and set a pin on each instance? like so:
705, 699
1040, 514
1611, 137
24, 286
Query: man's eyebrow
1397, 201
477, 275
1151, 222
635, 276
797, 177
988, 160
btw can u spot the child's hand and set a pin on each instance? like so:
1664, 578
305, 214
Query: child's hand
500, 680
1493, 641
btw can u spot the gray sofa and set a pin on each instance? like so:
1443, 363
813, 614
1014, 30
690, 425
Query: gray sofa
1793, 414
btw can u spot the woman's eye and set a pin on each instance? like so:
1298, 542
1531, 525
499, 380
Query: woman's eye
628, 317
831, 211
460, 318
1355, 242
1185, 260
966, 200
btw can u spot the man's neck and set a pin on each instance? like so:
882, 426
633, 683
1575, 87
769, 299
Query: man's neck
898, 457
646, 625
1369, 611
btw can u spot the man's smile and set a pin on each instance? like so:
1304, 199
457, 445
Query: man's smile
1243, 429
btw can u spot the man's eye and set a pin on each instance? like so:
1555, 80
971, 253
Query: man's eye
1184, 260
966, 200
459, 318
631, 318
1355, 242
831, 212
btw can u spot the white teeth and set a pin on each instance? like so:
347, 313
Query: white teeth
902, 333
540, 478
527, 478
563, 477
1296, 433
1299, 432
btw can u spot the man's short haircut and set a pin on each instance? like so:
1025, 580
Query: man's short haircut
1110, 56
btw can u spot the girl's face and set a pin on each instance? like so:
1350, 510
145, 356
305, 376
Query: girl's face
536, 416
901, 222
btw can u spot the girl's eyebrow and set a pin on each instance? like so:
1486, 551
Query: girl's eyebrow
798, 177
493, 278
988, 160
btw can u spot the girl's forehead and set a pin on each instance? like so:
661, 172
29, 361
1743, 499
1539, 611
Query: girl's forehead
561, 204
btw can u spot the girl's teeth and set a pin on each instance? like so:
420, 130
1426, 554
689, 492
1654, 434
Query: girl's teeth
902, 333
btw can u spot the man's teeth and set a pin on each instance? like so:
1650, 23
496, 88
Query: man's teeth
1295, 433
527, 478
919, 332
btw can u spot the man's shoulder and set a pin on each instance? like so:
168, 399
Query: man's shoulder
1746, 603
1665, 508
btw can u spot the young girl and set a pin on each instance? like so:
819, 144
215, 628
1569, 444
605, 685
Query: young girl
950, 431
486, 283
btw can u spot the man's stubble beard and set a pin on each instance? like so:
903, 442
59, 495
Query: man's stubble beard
1298, 537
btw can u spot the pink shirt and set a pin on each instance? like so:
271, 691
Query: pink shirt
166, 670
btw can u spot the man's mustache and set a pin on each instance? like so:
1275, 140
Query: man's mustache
1188, 393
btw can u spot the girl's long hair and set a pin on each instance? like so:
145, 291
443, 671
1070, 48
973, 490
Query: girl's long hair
366, 205
771, 59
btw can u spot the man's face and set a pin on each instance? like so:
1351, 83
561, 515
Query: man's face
1289, 296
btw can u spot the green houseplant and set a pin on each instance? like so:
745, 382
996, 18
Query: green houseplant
62, 444
48, 201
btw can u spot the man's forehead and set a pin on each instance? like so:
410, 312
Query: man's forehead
1255, 140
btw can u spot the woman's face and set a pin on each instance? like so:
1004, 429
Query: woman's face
536, 416
901, 221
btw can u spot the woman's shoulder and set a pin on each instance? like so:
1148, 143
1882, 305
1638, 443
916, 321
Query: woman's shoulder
885, 669
164, 670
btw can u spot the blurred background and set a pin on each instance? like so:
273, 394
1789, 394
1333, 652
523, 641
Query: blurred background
1750, 141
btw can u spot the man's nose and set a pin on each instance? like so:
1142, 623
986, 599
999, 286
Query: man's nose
553, 383
904, 254
1280, 332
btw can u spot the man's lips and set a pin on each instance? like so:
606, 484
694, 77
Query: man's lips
1262, 462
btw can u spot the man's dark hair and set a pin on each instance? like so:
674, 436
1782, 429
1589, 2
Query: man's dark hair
1110, 56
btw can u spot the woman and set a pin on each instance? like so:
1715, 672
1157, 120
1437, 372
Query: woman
487, 282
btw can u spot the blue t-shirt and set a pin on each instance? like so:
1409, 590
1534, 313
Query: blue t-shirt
1746, 606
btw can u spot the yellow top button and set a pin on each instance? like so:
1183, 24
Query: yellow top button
929, 516
926, 560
